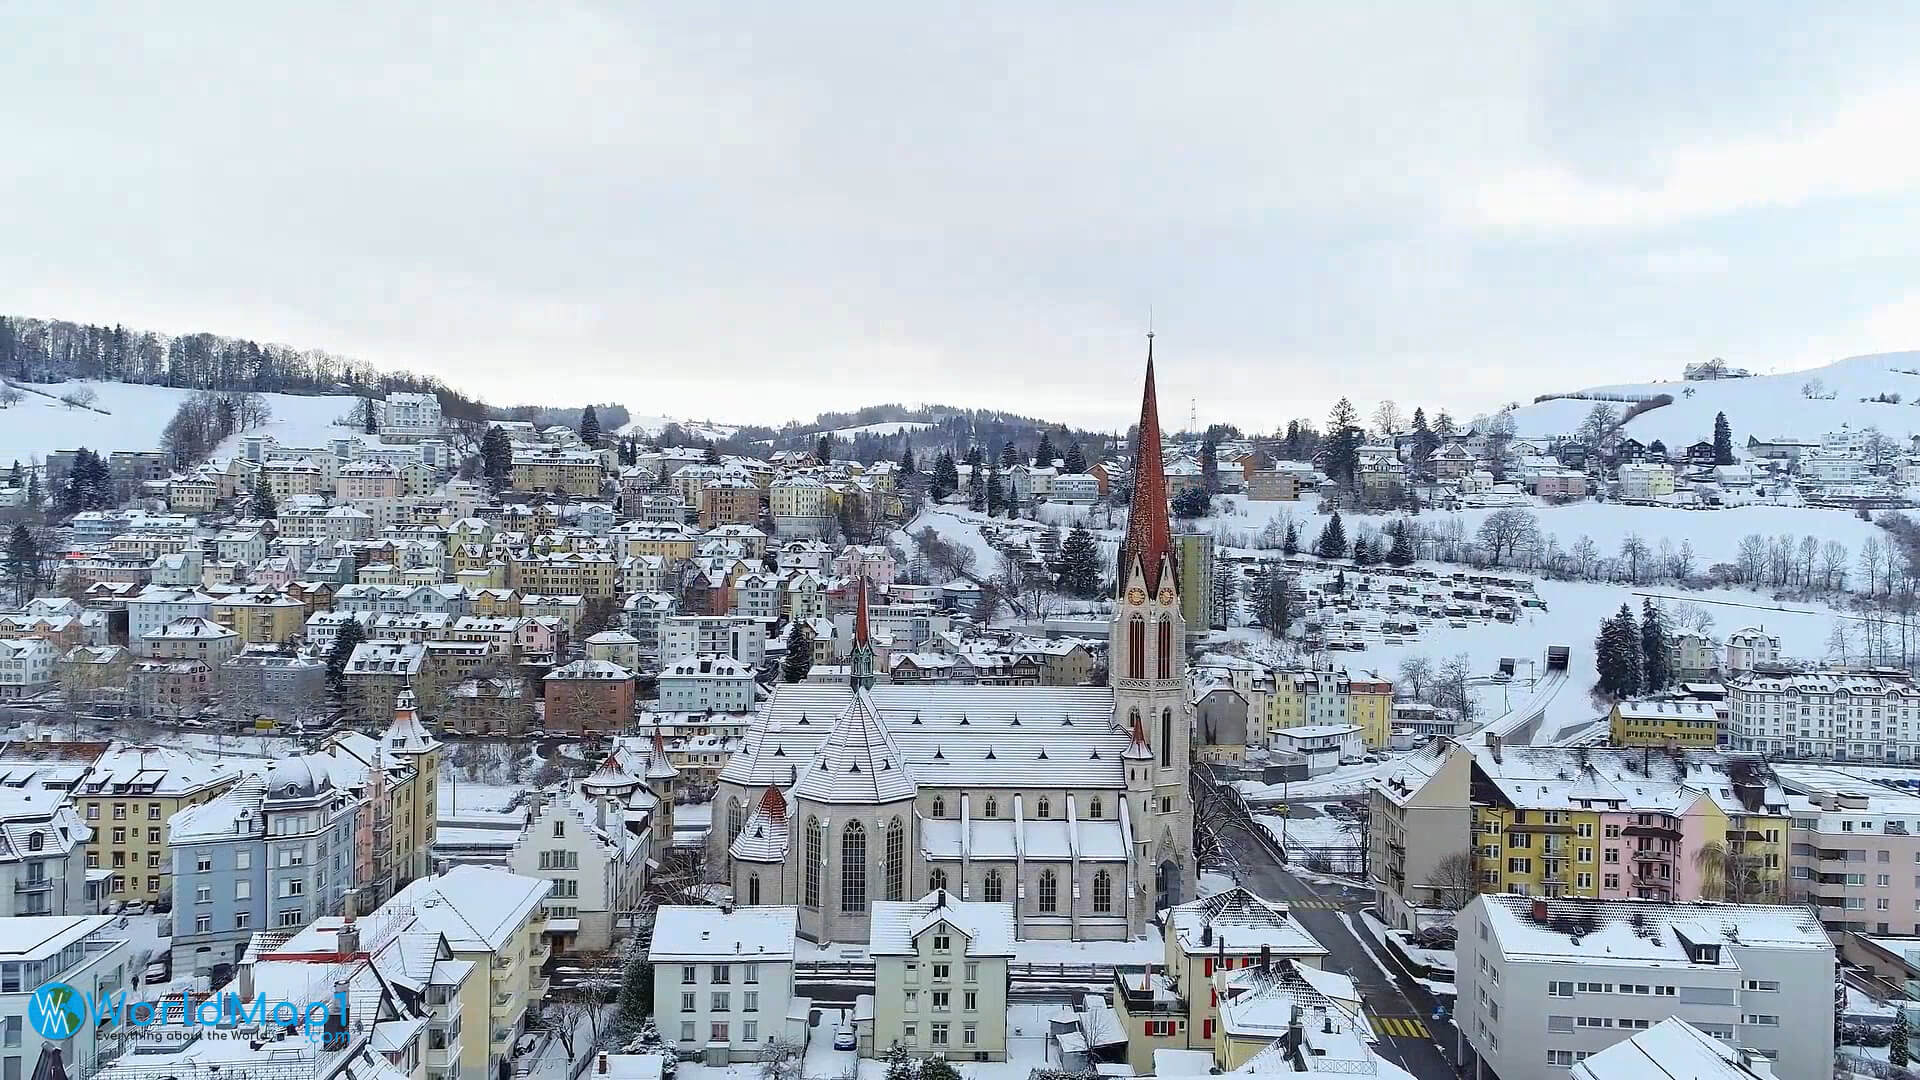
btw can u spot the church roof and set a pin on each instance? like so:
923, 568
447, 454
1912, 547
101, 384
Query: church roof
659, 766
765, 836
857, 762
948, 736
407, 734
1149, 537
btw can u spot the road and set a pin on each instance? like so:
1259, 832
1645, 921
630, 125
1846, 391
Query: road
1402, 1009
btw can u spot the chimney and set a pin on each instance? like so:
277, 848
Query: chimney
1266, 957
1493, 745
348, 938
1539, 910
600, 1066
1756, 1063
1206, 935
1295, 1033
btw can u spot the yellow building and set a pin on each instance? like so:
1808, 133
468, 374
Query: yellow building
673, 543
1664, 723
1370, 707
261, 620
126, 797
557, 468
192, 494
1179, 1008
569, 573
403, 780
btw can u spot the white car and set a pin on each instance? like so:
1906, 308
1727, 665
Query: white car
843, 1039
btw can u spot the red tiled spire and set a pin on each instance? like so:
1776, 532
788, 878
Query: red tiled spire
860, 615
774, 804
1149, 537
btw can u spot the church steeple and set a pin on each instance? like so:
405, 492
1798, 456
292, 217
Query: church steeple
861, 662
1149, 537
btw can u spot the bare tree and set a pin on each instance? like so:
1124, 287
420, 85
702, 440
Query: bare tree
1833, 565
1386, 419
1454, 881
565, 1013
1813, 388
781, 1060
1633, 554
9, 395
1416, 674
80, 398
1585, 555
1506, 531
1450, 687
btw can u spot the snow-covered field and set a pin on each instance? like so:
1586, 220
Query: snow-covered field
137, 414
891, 427
654, 425
1765, 406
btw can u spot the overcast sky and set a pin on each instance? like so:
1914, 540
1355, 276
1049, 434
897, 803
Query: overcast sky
755, 212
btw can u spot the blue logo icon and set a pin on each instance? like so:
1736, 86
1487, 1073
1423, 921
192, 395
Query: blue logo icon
57, 1011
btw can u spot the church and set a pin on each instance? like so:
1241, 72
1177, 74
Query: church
1070, 804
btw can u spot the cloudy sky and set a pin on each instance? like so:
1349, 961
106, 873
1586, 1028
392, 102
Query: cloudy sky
756, 211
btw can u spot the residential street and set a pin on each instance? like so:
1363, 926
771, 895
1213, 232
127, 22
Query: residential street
1402, 1009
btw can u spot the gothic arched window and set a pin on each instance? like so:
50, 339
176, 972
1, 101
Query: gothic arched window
990, 891
853, 869
992, 808
1166, 737
896, 861
1163, 649
1044, 807
815, 842
736, 818
1136, 648
753, 888
939, 806
936, 880
1103, 893
1049, 892
1095, 810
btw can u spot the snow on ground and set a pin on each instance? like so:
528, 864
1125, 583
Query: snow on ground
1319, 831
1150, 949
1342, 781
1765, 406
960, 531
136, 414
1215, 881
464, 796
654, 425
894, 427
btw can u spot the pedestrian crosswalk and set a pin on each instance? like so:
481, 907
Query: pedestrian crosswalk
1317, 905
1401, 1027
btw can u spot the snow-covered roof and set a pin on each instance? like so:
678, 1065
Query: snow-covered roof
1237, 921
767, 833
986, 929
477, 908
685, 932
1673, 1049
1640, 932
858, 761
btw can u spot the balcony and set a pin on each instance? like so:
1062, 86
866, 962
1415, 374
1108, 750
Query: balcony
1157, 998
41, 886
1659, 832
1539, 827
1652, 855
447, 1057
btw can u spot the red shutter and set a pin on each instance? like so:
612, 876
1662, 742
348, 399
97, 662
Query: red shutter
1209, 962
1206, 1030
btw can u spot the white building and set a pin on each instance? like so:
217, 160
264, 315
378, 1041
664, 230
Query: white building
1075, 489
1324, 746
741, 638
81, 951
1852, 716
1751, 646
940, 976
42, 856
26, 667
1545, 983
706, 684
722, 978
1645, 481
594, 856
155, 608
415, 415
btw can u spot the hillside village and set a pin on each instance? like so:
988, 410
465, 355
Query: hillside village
565, 723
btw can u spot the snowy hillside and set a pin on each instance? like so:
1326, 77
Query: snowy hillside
134, 415
654, 425
1765, 406
893, 427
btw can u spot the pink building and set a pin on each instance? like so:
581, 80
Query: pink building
873, 562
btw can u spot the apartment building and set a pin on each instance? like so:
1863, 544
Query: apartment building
1661, 723
1601, 823
729, 501
127, 796
1645, 481
43, 861
569, 573
86, 952
274, 851
1331, 696
734, 636
1834, 715
1673, 1047
26, 667
799, 506
595, 858
155, 608
1855, 852
190, 639
940, 977
588, 696
723, 978
411, 416
1545, 984
560, 469
706, 684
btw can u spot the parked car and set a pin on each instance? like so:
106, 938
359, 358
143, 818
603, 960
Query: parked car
843, 1038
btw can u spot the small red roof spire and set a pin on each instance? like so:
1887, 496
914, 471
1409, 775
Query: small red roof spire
774, 804
1137, 747
860, 614
1149, 536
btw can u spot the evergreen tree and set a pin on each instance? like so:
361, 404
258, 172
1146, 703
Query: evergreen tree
907, 467
1080, 564
1339, 581
1401, 553
996, 498
1291, 545
946, 477
799, 659
370, 417
1897, 1049
635, 1002
589, 426
1617, 655
823, 450
263, 504
1226, 589
1363, 552
34, 495
1443, 425
1191, 504
1271, 603
1076, 459
23, 564
1654, 662
496, 459
1722, 440
1333, 539
1210, 463
1043, 454
1425, 442
1009, 457
1343, 444
901, 1064
351, 633
712, 456
937, 1068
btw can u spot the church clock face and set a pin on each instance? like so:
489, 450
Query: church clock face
1136, 596
1166, 597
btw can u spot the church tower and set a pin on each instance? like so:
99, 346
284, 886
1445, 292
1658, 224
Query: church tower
1147, 668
